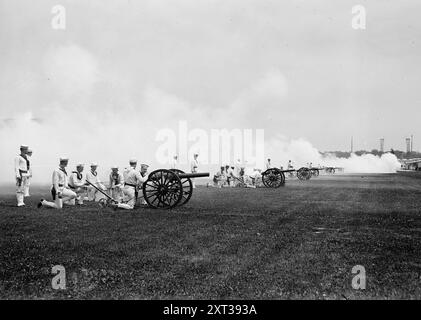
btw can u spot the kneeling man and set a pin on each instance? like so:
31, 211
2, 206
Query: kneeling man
60, 190
133, 180
77, 182
116, 184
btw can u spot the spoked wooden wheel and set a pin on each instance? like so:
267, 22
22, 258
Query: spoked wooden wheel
303, 174
273, 178
163, 189
187, 185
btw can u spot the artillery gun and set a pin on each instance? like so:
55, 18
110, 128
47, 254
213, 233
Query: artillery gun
332, 170
275, 178
166, 189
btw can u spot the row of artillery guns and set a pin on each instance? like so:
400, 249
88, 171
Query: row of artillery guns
166, 189
275, 178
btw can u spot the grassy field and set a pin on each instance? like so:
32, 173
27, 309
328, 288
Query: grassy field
297, 242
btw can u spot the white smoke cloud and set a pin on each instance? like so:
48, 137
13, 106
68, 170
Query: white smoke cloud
71, 70
91, 114
262, 100
302, 152
367, 163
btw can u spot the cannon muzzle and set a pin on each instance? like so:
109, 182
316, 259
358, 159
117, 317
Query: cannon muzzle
194, 175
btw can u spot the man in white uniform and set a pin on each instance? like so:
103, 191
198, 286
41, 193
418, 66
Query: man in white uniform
133, 180
194, 165
231, 176
256, 177
290, 167
29, 176
77, 182
268, 164
21, 174
116, 184
60, 190
237, 168
92, 177
144, 174
174, 162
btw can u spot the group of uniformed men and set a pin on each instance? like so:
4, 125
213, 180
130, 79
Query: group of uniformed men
235, 176
76, 187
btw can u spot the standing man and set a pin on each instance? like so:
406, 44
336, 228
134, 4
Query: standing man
268, 164
144, 174
21, 174
238, 165
174, 162
194, 165
77, 182
60, 190
29, 177
290, 167
133, 180
92, 177
228, 173
231, 176
116, 185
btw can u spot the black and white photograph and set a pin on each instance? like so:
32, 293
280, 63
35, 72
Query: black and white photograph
222, 151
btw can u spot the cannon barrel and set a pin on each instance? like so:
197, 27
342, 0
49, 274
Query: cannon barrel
193, 175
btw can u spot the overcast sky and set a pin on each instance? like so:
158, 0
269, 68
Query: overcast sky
293, 68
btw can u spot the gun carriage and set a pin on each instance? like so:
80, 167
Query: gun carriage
275, 178
165, 189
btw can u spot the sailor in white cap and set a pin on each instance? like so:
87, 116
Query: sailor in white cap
237, 169
144, 173
133, 180
21, 174
194, 165
29, 176
116, 185
60, 190
144, 170
92, 177
268, 164
174, 162
77, 182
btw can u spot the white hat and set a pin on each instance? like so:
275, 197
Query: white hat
133, 161
80, 165
114, 167
24, 146
143, 165
64, 159
94, 164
